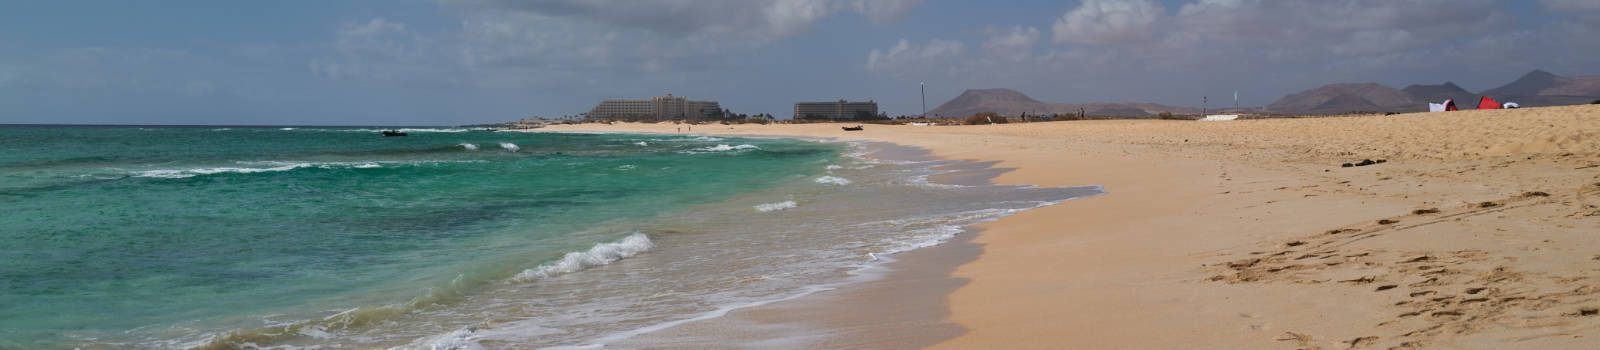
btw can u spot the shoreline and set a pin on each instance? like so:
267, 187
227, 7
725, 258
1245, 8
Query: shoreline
921, 274
882, 305
1249, 234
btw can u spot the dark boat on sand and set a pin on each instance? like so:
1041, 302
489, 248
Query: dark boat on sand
855, 128
387, 133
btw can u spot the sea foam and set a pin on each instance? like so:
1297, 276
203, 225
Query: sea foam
460, 339
725, 148
600, 254
273, 166
510, 146
772, 207
469, 147
183, 173
833, 180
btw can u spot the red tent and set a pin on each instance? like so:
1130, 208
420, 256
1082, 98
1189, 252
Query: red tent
1450, 104
1488, 103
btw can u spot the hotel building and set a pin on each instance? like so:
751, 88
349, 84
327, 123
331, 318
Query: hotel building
658, 108
840, 110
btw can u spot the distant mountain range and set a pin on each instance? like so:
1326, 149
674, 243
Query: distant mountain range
1535, 89
1012, 103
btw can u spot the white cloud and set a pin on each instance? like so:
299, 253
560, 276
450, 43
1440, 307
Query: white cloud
384, 50
372, 28
883, 11
904, 56
1587, 11
1109, 22
505, 42
745, 21
1017, 40
1572, 5
1309, 22
1299, 44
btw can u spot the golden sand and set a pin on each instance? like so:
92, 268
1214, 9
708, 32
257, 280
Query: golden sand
1480, 231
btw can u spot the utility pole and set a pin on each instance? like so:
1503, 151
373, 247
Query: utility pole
924, 87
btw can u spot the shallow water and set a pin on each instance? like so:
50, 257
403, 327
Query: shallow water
336, 237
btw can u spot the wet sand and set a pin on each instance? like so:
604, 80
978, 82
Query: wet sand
1477, 232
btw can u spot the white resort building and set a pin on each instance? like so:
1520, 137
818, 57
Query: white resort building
840, 110
667, 107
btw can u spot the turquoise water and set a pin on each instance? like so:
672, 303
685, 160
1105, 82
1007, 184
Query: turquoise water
124, 235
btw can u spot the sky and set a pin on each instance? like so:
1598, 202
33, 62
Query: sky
451, 62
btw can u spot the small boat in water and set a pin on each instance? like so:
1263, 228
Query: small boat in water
387, 133
856, 128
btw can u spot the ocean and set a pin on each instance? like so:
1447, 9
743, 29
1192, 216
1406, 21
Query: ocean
324, 237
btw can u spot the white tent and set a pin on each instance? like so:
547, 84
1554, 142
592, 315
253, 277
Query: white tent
1447, 105
1510, 105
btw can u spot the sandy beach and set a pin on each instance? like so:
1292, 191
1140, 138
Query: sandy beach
1478, 230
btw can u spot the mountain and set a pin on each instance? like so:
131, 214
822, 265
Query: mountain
1345, 98
1002, 101
1528, 85
1011, 103
1541, 88
1535, 89
1439, 93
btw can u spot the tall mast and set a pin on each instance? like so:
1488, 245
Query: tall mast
924, 87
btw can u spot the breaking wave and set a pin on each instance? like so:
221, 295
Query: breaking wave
270, 166
600, 254
772, 207
725, 148
469, 147
833, 180
183, 173
460, 339
510, 146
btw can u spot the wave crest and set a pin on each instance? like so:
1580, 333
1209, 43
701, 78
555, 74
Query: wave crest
600, 254
771, 207
272, 166
724, 148
833, 180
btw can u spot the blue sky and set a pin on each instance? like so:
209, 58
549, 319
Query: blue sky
444, 62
